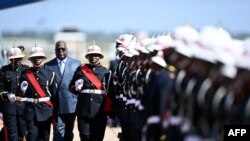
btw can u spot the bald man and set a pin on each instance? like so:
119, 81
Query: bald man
64, 67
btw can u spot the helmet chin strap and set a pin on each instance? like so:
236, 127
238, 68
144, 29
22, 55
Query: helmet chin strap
15, 64
94, 64
38, 66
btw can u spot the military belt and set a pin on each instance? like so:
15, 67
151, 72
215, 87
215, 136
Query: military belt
93, 91
130, 101
137, 103
35, 100
153, 119
175, 120
124, 99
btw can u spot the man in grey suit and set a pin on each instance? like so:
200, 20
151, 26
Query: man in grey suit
64, 67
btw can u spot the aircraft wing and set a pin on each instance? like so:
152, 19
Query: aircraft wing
4, 4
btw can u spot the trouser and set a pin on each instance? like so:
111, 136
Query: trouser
64, 126
127, 134
173, 133
92, 129
153, 132
38, 130
14, 127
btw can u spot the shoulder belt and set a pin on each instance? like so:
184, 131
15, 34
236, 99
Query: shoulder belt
91, 76
37, 87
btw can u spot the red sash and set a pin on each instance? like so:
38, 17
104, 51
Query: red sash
91, 76
37, 87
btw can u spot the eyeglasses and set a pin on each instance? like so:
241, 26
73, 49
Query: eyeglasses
59, 49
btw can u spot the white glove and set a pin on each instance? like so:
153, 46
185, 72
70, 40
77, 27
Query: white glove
78, 84
11, 97
24, 86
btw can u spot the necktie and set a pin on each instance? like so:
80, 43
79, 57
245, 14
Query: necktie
62, 66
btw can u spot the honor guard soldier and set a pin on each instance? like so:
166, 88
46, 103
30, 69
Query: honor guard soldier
129, 93
38, 88
14, 124
122, 45
155, 99
123, 111
236, 104
241, 98
93, 84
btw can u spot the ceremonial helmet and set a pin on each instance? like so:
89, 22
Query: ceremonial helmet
125, 37
159, 61
15, 52
94, 49
37, 52
124, 41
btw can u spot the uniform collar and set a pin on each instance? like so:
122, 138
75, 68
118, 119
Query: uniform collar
36, 68
93, 66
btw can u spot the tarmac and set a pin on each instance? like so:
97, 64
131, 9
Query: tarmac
110, 133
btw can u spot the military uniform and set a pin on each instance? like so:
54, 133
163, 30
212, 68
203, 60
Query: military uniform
113, 64
90, 105
158, 91
12, 111
139, 109
128, 104
121, 98
155, 99
38, 88
93, 84
40, 114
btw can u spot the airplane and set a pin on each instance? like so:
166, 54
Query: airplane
5, 4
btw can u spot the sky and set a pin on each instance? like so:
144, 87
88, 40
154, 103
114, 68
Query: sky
127, 15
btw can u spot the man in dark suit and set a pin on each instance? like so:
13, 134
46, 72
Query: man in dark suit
64, 67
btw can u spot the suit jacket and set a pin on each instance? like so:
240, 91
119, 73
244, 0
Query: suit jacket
65, 100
